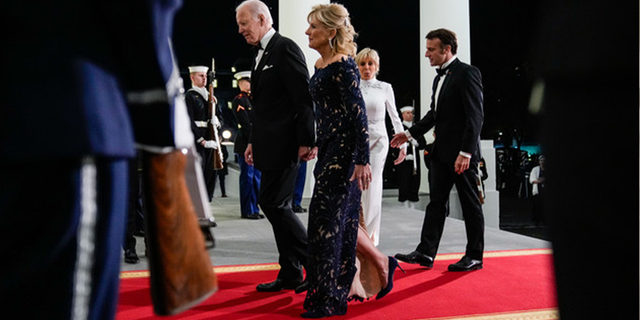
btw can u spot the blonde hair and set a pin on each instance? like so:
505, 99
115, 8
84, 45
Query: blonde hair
368, 53
335, 16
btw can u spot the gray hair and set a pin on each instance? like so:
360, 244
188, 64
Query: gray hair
256, 7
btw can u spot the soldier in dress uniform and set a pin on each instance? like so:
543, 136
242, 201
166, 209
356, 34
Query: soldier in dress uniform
198, 107
409, 169
107, 84
249, 175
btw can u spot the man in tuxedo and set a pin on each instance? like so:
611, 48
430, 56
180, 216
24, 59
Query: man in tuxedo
282, 134
457, 114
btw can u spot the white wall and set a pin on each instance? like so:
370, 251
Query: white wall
292, 15
435, 14
293, 23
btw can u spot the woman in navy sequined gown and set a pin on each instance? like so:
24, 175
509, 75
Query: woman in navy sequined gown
342, 169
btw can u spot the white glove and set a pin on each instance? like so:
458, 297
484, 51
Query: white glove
214, 121
210, 144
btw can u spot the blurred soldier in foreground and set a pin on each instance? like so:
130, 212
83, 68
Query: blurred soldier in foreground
89, 81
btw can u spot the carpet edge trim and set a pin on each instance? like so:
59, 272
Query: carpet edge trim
539, 314
276, 266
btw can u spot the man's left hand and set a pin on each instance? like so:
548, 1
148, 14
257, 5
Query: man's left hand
462, 164
307, 153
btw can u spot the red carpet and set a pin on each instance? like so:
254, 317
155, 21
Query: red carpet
512, 285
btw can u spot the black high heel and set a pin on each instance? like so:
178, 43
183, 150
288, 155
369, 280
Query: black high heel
393, 264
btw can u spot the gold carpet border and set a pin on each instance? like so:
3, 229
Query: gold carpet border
497, 254
542, 314
275, 266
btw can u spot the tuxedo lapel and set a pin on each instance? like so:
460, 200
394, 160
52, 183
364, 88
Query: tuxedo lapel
450, 75
266, 56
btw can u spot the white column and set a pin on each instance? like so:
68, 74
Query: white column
453, 15
435, 14
292, 16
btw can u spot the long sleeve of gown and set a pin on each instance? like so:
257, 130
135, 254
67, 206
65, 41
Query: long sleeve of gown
390, 104
354, 103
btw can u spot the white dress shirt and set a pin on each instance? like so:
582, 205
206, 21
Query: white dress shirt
263, 44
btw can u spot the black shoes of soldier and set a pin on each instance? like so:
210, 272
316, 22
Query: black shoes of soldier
130, 256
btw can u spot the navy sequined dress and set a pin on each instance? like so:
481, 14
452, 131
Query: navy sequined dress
343, 142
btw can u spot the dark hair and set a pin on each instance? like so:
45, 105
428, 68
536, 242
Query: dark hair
447, 38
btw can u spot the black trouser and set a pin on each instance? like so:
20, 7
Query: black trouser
135, 214
206, 156
443, 178
276, 190
408, 183
48, 208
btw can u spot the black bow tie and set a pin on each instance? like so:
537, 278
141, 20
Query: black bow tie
256, 48
441, 71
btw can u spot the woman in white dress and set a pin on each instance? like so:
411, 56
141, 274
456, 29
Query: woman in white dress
378, 98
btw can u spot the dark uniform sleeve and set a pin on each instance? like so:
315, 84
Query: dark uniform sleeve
191, 102
241, 112
140, 33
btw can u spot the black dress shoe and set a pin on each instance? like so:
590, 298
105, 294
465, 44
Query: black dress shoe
278, 285
207, 223
253, 216
299, 209
130, 256
416, 257
466, 264
301, 287
209, 239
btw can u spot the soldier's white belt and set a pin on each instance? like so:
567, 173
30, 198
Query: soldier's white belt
201, 124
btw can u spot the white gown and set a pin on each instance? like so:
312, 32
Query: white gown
378, 98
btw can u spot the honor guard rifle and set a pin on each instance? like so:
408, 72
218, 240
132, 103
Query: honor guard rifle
217, 155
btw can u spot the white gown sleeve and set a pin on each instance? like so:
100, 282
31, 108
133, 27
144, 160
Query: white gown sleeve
390, 104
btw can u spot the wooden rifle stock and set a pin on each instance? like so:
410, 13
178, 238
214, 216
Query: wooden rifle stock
217, 155
181, 274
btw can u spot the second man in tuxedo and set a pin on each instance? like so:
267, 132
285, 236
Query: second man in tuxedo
457, 114
282, 134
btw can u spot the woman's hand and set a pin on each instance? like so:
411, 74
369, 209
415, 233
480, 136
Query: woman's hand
362, 173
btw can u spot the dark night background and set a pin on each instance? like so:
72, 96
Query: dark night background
501, 31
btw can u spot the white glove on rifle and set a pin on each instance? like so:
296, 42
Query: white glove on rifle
210, 144
214, 121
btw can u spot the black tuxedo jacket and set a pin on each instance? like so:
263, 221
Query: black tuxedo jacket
283, 116
459, 114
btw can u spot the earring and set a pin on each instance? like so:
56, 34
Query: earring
331, 43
